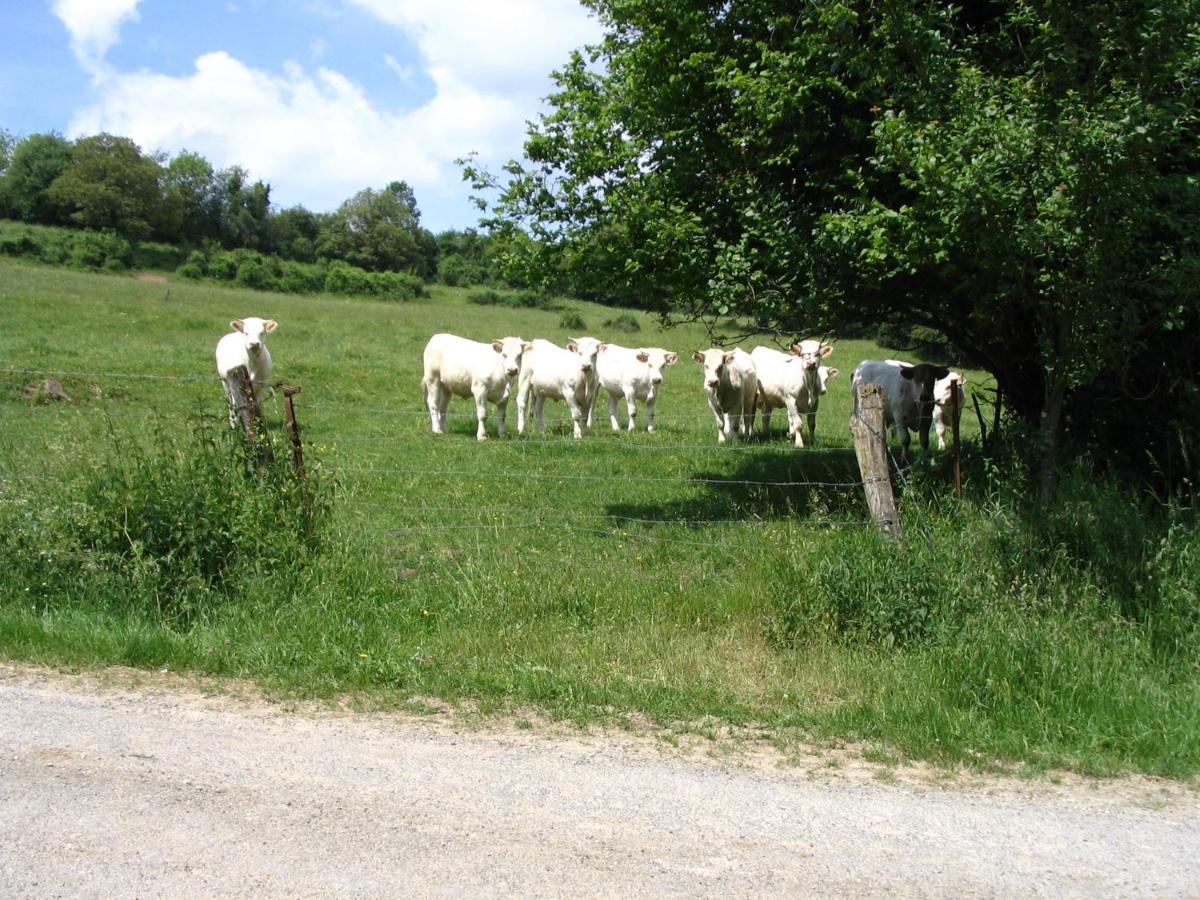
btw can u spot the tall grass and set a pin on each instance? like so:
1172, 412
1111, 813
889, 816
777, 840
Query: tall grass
655, 576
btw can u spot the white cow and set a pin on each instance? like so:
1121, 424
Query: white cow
548, 370
825, 373
907, 395
634, 375
793, 381
466, 368
941, 404
731, 385
244, 346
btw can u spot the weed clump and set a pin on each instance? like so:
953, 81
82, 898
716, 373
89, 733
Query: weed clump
171, 529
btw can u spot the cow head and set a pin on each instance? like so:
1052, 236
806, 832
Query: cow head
825, 373
587, 349
811, 352
656, 359
923, 376
510, 350
714, 361
254, 328
943, 387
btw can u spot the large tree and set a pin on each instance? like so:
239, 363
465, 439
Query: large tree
108, 183
378, 231
34, 163
1021, 176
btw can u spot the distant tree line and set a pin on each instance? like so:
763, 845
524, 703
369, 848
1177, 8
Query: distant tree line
107, 183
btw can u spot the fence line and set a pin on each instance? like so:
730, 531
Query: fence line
62, 373
542, 476
568, 441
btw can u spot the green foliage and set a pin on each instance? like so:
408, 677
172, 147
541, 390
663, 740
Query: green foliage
108, 184
572, 321
377, 231
36, 161
1020, 178
171, 529
626, 322
98, 249
515, 299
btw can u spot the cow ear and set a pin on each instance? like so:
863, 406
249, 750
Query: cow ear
729, 357
643, 356
603, 345
796, 350
906, 372
573, 345
962, 379
698, 356
672, 358
940, 373
498, 346
826, 349
238, 325
833, 371
527, 347
270, 326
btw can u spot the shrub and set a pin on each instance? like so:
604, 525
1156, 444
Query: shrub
487, 297
396, 286
572, 321
19, 242
163, 257
168, 530
301, 278
256, 272
343, 278
191, 270
222, 266
95, 248
624, 322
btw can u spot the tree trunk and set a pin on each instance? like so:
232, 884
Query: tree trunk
1051, 437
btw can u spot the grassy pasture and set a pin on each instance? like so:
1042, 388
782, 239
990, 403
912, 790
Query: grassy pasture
618, 577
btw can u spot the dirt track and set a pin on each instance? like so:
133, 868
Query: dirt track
116, 786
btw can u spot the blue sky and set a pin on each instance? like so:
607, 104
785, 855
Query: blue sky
319, 98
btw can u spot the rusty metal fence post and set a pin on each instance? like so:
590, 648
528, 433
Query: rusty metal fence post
870, 446
246, 412
293, 427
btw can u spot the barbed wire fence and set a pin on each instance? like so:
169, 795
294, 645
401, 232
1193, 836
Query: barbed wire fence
409, 516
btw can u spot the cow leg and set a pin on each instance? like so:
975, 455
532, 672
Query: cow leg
631, 408
940, 427
577, 416
539, 402
522, 407
812, 427
480, 393
433, 403
795, 428
650, 413
501, 415
612, 413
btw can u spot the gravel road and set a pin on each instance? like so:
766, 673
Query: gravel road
130, 786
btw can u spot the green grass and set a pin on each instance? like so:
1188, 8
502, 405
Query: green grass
621, 577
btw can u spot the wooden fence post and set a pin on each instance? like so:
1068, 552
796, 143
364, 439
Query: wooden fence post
870, 445
247, 412
954, 414
293, 427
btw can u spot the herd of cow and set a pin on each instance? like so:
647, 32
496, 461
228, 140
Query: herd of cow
736, 383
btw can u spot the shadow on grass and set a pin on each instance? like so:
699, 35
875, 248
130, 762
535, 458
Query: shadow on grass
816, 485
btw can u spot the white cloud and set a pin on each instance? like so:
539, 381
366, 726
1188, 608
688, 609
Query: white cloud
509, 43
317, 137
405, 73
94, 26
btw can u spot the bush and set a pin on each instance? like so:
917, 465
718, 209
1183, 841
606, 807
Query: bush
222, 266
343, 278
624, 322
257, 273
96, 248
169, 530
163, 257
19, 242
191, 270
572, 321
301, 278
